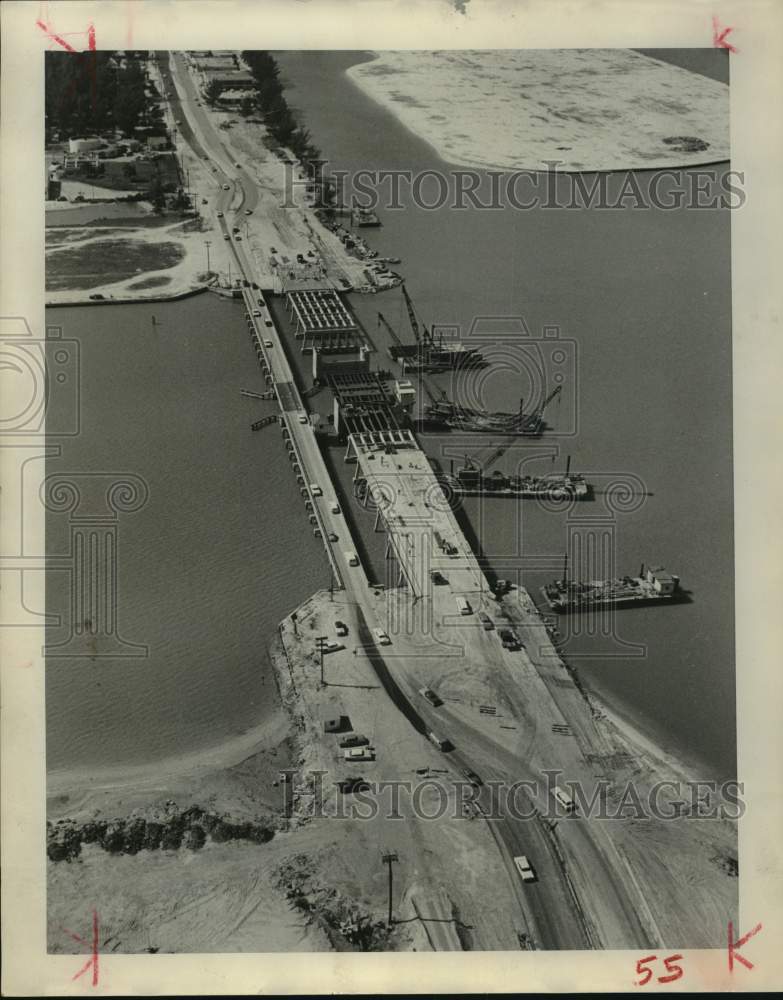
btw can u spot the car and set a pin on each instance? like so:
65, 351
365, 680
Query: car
226, 187
485, 620
178, 121
509, 639
256, 312
332, 537
268, 322
248, 211
273, 249
316, 490
238, 166
381, 637
226, 236
431, 697
96, 296
220, 215
268, 343
360, 753
341, 628
349, 785
238, 238
525, 869
472, 777
204, 201
335, 508
332, 647
357, 740
302, 418
437, 577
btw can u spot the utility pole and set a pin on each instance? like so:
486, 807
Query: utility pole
388, 858
320, 640
207, 244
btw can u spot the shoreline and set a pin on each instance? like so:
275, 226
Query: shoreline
155, 775
282, 725
426, 116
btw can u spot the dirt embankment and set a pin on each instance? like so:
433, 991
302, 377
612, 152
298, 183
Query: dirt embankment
346, 923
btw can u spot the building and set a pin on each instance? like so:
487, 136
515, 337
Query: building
84, 145
157, 142
237, 79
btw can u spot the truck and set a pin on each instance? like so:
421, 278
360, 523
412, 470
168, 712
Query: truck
564, 799
464, 606
440, 742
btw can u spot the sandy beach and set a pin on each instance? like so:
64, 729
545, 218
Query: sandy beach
587, 110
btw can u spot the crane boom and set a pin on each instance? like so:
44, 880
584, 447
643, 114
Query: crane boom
382, 321
411, 314
556, 391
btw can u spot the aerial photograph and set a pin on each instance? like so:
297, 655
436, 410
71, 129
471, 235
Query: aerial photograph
390, 552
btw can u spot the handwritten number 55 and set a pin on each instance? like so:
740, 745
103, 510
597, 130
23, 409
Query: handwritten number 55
670, 964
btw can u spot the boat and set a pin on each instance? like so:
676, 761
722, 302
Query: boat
650, 587
364, 217
470, 481
444, 413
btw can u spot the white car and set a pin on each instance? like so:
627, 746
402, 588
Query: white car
381, 637
256, 312
335, 508
226, 187
525, 869
220, 215
316, 490
332, 647
302, 418
360, 753
268, 343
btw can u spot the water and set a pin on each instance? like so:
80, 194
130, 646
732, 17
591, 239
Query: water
221, 551
645, 295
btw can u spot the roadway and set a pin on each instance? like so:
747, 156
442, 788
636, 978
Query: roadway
547, 906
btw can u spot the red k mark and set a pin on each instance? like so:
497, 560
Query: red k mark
734, 946
719, 37
92, 948
62, 42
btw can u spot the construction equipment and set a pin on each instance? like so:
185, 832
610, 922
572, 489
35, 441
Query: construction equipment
448, 414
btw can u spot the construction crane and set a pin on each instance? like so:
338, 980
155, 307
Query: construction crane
537, 417
383, 322
423, 336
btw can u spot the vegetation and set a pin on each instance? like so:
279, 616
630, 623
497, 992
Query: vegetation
213, 90
88, 92
188, 829
277, 115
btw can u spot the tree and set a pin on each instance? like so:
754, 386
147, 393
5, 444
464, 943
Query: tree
213, 90
156, 194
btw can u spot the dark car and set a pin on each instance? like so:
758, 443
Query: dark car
509, 639
341, 628
96, 296
349, 785
431, 697
438, 577
354, 741
471, 776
